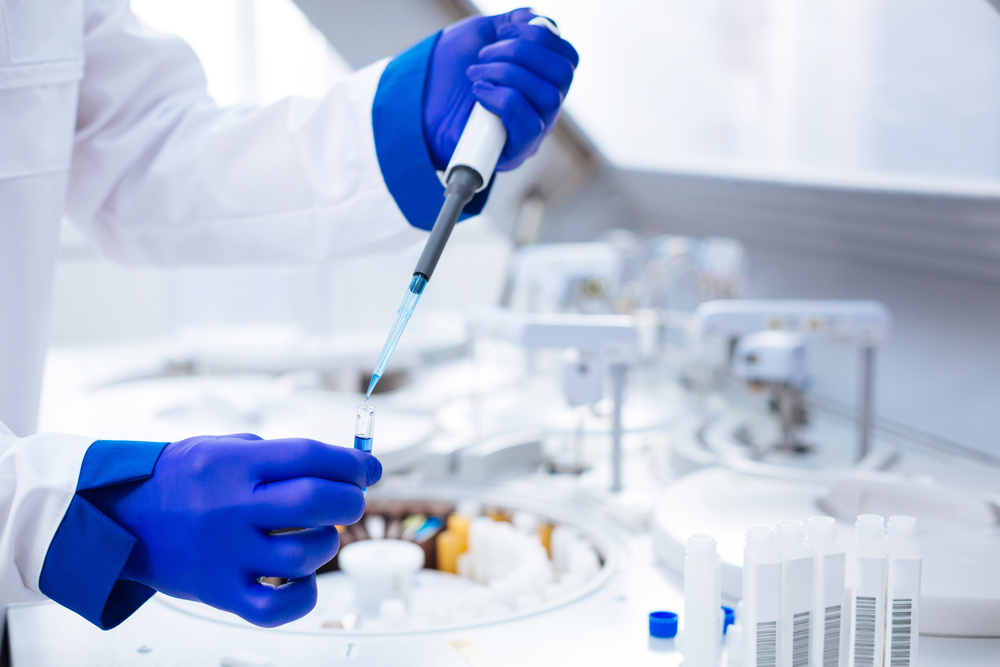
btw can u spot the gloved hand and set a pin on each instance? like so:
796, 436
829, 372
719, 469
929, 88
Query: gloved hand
518, 71
202, 520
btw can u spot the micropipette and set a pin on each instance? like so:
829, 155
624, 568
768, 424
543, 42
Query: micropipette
469, 171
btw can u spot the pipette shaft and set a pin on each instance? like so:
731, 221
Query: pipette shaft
463, 182
471, 167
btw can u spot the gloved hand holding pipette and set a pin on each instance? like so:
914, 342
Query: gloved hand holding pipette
517, 71
493, 92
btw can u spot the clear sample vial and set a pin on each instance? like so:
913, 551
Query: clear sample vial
867, 639
829, 582
364, 430
761, 597
903, 592
702, 602
796, 594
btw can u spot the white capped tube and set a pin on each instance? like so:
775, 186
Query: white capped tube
796, 594
761, 597
903, 593
702, 602
380, 570
734, 639
829, 581
867, 639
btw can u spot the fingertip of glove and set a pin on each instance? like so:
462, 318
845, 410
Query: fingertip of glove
482, 86
269, 608
520, 15
374, 470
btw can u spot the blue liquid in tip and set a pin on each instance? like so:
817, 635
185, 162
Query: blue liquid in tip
371, 385
365, 445
410, 299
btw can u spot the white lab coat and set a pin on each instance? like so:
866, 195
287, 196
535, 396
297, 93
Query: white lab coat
107, 121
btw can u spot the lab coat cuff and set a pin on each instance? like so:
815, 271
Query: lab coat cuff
109, 462
403, 157
85, 559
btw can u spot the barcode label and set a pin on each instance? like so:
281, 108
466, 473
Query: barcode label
864, 632
800, 640
767, 644
902, 625
831, 637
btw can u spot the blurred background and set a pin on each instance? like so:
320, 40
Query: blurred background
853, 147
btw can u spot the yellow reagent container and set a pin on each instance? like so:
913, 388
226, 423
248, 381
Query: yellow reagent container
449, 546
459, 525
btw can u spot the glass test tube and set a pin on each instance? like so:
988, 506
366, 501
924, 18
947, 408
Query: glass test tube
364, 429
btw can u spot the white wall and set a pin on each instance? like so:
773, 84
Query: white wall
902, 87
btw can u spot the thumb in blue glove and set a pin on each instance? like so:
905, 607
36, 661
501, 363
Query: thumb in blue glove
517, 71
203, 520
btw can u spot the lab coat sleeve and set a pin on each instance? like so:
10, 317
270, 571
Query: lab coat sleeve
162, 175
39, 476
53, 542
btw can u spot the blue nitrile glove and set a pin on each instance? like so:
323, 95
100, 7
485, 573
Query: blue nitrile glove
202, 520
518, 71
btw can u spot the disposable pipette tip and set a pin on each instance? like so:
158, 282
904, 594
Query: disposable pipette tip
371, 385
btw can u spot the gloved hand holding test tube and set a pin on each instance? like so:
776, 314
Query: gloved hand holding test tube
472, 164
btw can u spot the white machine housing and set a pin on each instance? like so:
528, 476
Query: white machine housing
582, 377
545, 273
605, 341
771, 356
614, 337
862, 323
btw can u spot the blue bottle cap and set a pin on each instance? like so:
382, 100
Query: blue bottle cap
663, 624
730, 618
